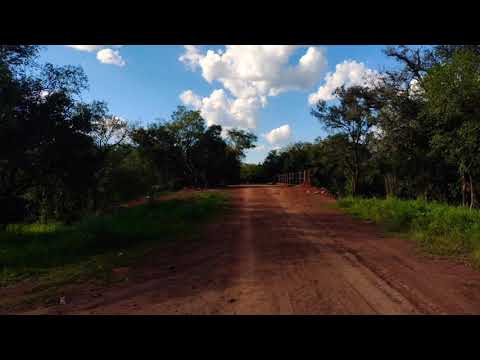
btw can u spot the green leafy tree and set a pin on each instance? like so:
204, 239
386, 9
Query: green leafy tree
187, 128
252, 174
241, 140
452, 92
158, 146
353, 116
209, 155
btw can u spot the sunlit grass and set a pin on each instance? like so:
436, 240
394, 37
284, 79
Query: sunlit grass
38, 249
34, 228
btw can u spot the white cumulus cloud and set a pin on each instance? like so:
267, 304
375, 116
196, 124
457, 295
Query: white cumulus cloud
221, 109
192, 56
279, 134
348, 73
190, 98
109, 56
89, 48
250, 74
258, 70
105, 53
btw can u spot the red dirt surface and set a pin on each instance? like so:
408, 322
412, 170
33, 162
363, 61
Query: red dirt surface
282, 250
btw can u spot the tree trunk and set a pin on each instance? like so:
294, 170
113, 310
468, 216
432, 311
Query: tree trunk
356, 176
354, 181
472, 192
463, 190
391, 185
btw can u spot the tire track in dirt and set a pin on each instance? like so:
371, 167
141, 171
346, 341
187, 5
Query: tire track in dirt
355, 288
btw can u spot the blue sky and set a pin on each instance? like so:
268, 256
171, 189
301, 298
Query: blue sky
258, 88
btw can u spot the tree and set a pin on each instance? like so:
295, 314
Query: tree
209, 155
252, 173
14, 59
130, 175
185, 149
241, 140
272, 165
415, 61
157, 144
353, 117
48, 155
30, 125
187, 127
107, 132
297, 157
452, 92
401, 149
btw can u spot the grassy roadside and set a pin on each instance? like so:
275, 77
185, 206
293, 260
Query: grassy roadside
438, 228
55, 254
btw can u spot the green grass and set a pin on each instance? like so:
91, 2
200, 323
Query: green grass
56, 253
440, 229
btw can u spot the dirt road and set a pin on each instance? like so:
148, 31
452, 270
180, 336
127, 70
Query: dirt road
283, 251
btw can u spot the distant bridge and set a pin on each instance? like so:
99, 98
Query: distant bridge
297, 177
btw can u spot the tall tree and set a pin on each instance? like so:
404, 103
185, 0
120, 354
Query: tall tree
187, 127
158, 145
209, 156
354, 117
452, 91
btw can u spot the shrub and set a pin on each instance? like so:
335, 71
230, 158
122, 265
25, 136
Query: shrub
440, 229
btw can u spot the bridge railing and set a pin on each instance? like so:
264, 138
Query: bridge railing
296, 177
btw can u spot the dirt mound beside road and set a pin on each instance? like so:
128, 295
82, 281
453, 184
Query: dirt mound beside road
313, 190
